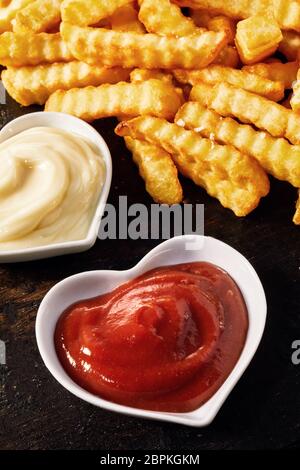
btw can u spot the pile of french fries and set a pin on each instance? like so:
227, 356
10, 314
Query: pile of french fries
207, 88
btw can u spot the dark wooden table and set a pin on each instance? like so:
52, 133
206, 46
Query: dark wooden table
263, 411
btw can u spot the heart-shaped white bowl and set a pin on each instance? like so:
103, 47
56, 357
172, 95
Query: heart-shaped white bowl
183, 249
79, 127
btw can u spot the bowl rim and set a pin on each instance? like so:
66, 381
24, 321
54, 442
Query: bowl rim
206, 412
54, 249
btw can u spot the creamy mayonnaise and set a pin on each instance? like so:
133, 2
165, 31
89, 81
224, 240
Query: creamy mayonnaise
50, 181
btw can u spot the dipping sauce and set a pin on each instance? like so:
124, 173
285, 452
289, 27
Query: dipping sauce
50, 181
164, 341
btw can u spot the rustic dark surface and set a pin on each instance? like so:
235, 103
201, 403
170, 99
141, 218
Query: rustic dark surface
262, 411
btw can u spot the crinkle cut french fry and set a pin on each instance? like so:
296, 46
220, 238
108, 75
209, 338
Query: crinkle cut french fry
235, 179
287, 14
87, 12
153, 97
8, 13
257, 38
237, 9
296, 218
276, 156
114, 48
165, 18
18, 49
39, 16
29, 85
228, 100
158, 170
248, 81
285, 73
126, 19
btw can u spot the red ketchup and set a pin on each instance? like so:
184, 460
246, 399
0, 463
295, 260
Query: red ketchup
166, 340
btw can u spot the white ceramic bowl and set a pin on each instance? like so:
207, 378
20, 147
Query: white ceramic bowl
71, 124
176, 250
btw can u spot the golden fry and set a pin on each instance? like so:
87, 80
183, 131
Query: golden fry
238, 9
29, 85
158, 170
8, 13
235, 179
87, 12
248, 81
296, 218
148, 51
153, 97
290, 45
285, 73
228, 100
257, 38
39, 16
165, 18
17, 49
276, 156
126, 19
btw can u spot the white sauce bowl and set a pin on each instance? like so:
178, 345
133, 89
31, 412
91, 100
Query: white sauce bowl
70, 124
